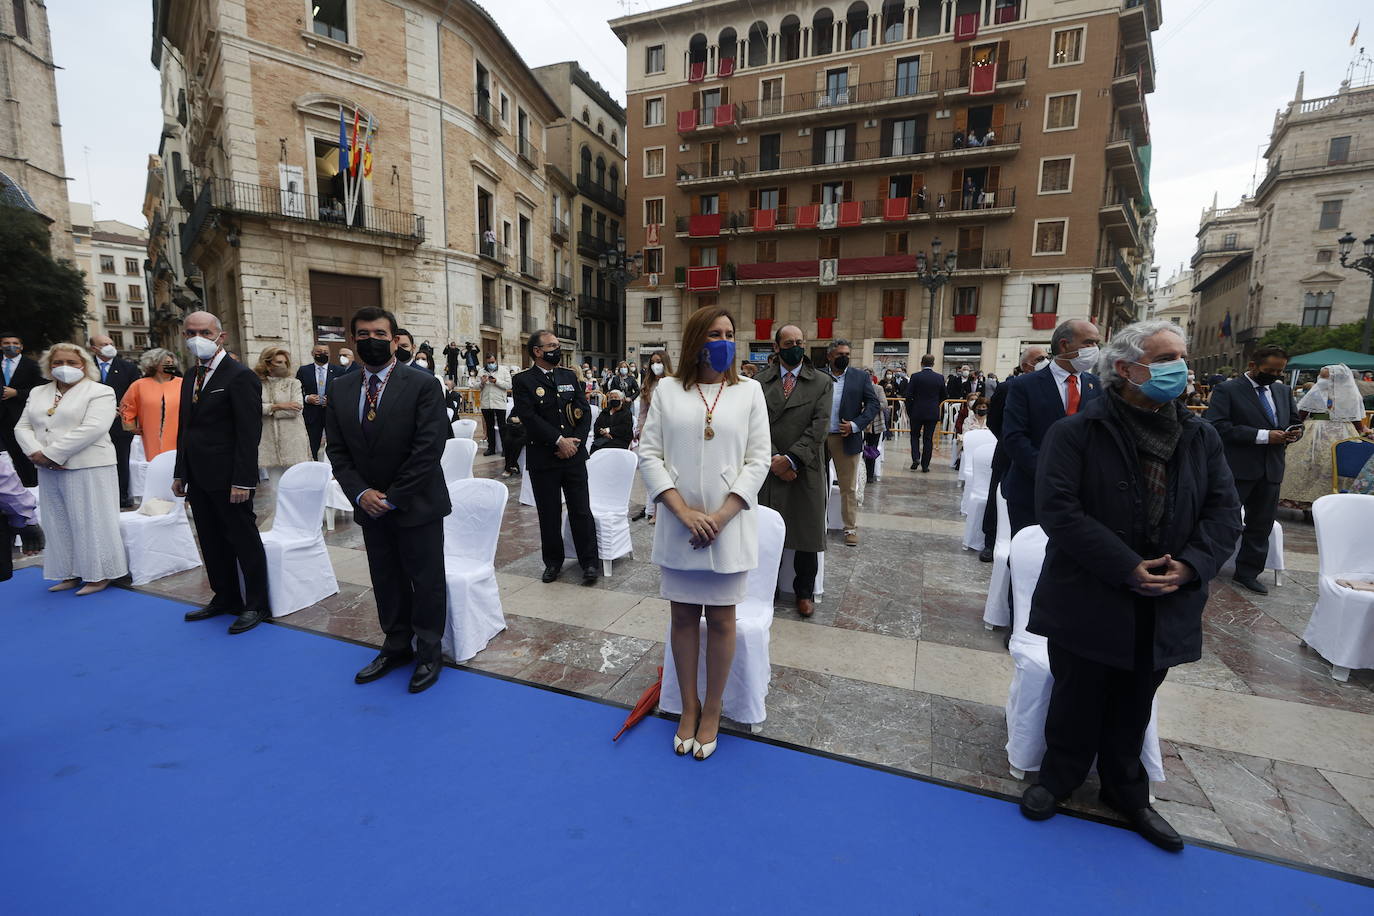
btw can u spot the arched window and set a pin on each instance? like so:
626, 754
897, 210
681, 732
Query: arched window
822, 32
586, 163
856, 26
758, 44
894, 21
727, 45
696, 49
789, 39
601, 127
601, 171
615, 139
586, 116
615, 179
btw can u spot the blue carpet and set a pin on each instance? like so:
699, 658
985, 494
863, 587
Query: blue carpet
153, 766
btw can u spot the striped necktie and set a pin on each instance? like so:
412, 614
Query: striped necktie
789, 381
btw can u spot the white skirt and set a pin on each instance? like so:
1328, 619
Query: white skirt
80, 512
703, 586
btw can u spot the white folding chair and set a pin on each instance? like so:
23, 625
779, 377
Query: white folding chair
471, 531
834, 508
138, 466
1028, 699
1273, 561
464, 428
526, 491
158, 545
972, 439
787, 572
746, 692
299, 572
457, 459
1341, 627
610, 478
997, 609
976, 493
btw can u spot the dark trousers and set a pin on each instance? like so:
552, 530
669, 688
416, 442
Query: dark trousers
28, 474
1260, 500
407, 569
1020, 513
315, 432
990, 511
871, 440
229, 541
926, 430
571, 479
805, 563
1102, 712
496, 423
123, 441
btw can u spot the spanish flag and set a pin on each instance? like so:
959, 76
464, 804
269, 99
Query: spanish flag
1354, 35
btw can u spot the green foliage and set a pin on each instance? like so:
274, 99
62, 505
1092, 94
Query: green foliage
42, 300
1298, 340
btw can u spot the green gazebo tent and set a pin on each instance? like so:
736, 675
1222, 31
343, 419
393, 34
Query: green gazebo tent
1359, 362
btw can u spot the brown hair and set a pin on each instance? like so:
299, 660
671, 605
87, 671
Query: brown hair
264, 368
694, 341
650, 380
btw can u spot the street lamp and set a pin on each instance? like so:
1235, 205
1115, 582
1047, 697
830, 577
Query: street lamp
1364, 265
621, 269
933, 273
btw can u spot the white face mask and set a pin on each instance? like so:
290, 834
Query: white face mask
1043, 364
68, 375
343, 360
1085, 360
656, 368
623, 371
201, 347
108, 351
423, 364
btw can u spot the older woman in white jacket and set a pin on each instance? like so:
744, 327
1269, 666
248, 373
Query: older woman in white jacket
65, 431
704, 453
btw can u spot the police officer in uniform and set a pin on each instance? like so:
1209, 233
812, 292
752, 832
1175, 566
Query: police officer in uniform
550, 404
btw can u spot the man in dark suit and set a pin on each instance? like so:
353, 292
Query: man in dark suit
1257, 421
959, 384
347, 361
1030, 358
217, 471
119, 374
550, 403
853, 405
20, 374
924, 392
316, 379
1040, 400
386, 428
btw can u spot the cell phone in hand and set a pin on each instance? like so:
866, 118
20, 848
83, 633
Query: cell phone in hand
1295, 428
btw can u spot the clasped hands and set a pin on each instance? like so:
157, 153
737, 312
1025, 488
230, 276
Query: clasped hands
566, 447
1159, 577
236, 494
782, 468
43, 461
704, 527
374, 503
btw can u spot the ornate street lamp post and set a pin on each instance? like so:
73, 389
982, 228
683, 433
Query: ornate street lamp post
933, 273
621, 269
1364, 265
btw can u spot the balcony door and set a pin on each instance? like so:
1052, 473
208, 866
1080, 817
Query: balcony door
329, 185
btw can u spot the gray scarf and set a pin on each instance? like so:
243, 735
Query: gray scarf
1155, 434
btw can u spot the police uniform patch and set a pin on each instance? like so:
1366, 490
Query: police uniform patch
539, 392
577, 412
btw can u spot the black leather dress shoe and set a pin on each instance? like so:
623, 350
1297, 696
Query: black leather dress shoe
985, 555
1039, 803
925, 470
380, 665
207, 612
1251, 583
550, 573
590, 573
425, 676
1148, 823
246, 621
914, 465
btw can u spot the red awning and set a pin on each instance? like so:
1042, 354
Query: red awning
686, 120
878, 264
808, 216
983, 80
765, 219
851, 213
704, 226
702, 279
896, 208
778, 270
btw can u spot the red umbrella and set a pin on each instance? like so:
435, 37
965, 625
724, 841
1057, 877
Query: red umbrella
647, 701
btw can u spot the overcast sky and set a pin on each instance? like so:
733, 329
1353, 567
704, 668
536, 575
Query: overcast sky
1223, 69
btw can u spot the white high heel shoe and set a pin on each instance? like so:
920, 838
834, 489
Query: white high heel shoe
705, 750
683, 748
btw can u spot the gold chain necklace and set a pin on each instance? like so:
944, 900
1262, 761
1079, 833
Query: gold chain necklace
710, 433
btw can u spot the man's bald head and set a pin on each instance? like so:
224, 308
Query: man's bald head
789, 335
1031, 357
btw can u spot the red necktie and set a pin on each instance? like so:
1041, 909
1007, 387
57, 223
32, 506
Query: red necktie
1072, 406
789, 381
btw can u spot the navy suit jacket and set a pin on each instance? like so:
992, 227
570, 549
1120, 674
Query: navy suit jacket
1034, 405
859, 405
925, 390
1234, 410
314, 414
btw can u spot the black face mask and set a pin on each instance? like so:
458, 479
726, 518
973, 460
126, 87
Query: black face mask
173, 371
322, 358
402, 355
792, 356
551, 357
981, 411
840, 363
374, 352
1264, 378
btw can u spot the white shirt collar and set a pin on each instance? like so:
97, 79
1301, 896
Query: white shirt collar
1060, 373
215, 361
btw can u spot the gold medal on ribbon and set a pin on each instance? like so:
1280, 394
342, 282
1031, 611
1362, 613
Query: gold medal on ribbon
539, 392
372, 415
709, 433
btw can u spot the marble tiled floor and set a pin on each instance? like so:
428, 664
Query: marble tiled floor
1263, 749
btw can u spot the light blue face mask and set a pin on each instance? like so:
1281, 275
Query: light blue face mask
1167, 380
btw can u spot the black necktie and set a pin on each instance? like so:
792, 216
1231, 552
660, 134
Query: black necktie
374, 382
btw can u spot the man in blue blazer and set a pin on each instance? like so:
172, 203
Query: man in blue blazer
853, 406
925, 391
1040, 400
316, 380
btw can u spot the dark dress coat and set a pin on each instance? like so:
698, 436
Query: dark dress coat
121, 374
1090, 501
614, 428
551, 406
1033, 405
798, 429
218, 435
1236, 413
859, 404
924, 393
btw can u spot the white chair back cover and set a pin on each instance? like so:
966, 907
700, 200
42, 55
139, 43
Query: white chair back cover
464, 428
1342, 522
301, 496
136, 452
997, 609
1027, 557
158, 545
976, 437
1341, 628
610, 478
762, 582
457, 460
472, 529
157, 484
980, 457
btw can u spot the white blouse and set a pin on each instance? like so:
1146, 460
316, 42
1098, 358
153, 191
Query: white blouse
674, 454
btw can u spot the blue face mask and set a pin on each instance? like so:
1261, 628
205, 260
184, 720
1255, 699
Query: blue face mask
720, 354
1167, 380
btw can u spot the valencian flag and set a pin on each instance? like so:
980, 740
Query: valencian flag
367, 148
343, 143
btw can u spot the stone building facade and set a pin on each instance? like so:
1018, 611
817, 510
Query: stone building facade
453, 230
789, 160
112, 254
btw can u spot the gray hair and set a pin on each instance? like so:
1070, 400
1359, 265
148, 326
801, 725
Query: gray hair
1062, 333
837, 343
45, 361
151, 360
1025, 354
1128, 344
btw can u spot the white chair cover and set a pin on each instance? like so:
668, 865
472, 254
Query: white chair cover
138, 466
610, 478
1028, 700
457, 459
997, 609
526, 491
834, 515
972, 440
1342, 624
976, 493
158, 545
1274, 561
746, 692
471, 531
787, 571
464, 428
299, 572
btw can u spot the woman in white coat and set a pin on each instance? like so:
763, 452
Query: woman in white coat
703, 454
65, 431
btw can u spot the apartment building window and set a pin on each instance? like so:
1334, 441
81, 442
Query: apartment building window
653, 162
836, 87
706, 257
131, 267
966, 300
708, 204
1061, 111
768, 199
766, 252
1056, 175
117, 338
654, 59
1050, 235
894, 303
710, 159
488, 294
770, 96
1331, 214
908, 76
1316, 309
1045, 299
140, 341
111, 292
904, 138
770, 152
827, 304
1324, 256
330, 18
653, 310
135, 293
1228, 243
829, 247
653, 260
136, 316
1067, 47
896, 243
112, 314
1339, 151
21, 19
653, 111
510, 298
833, 145
653, 211
763, 305
107, 264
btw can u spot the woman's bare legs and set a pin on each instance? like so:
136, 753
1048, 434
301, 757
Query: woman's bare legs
686, 642
720, 655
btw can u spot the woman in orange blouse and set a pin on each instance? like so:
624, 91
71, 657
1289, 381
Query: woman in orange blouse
153, 403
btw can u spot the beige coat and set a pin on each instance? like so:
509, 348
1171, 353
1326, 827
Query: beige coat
284, 442
494, 396
77, 435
